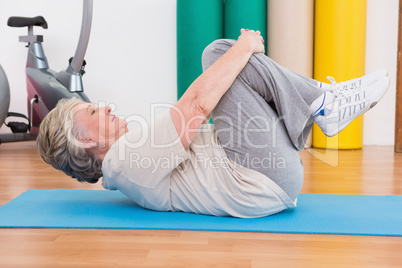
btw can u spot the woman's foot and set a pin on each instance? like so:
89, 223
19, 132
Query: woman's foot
340, 105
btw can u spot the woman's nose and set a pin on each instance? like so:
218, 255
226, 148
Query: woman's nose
108, 110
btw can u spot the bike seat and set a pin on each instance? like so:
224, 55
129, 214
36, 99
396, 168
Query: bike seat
24, 21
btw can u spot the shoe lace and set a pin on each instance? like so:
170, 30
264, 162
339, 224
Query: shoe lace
348, 94
350, 84
345, 89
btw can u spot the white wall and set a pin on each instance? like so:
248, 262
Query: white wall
132, 53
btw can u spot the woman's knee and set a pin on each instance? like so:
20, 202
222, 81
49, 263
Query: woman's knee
215, 50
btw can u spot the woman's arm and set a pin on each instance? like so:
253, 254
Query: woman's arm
194, 107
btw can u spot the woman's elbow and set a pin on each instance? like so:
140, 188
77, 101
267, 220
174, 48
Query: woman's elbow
202, 104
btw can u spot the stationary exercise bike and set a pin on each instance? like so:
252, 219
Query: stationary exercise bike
45, 87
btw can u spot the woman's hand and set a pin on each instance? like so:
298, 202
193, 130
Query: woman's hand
253, 40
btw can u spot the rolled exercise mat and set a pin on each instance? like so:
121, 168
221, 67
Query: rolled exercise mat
199, 22
290, 35
339, 51
249, 14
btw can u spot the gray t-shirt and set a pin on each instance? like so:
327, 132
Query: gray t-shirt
152, 167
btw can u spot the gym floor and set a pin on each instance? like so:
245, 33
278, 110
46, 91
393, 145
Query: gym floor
375, 170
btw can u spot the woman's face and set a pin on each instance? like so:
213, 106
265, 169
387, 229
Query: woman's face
102, 127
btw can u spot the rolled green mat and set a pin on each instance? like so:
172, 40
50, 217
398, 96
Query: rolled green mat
199, 22
250, 14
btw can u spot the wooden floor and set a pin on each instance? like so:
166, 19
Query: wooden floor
373, 170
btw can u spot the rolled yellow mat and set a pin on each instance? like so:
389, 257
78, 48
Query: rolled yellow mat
339, 51
290, 32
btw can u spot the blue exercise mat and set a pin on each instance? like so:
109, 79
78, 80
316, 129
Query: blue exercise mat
315, 214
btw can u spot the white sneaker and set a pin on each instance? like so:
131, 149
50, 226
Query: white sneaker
363, 81
351, 101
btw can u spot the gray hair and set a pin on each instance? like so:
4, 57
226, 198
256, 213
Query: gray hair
58, 145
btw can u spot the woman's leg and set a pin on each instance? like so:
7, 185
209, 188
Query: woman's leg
264, 118
288, 93
254, 136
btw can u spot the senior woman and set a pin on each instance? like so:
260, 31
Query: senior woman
246, 164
